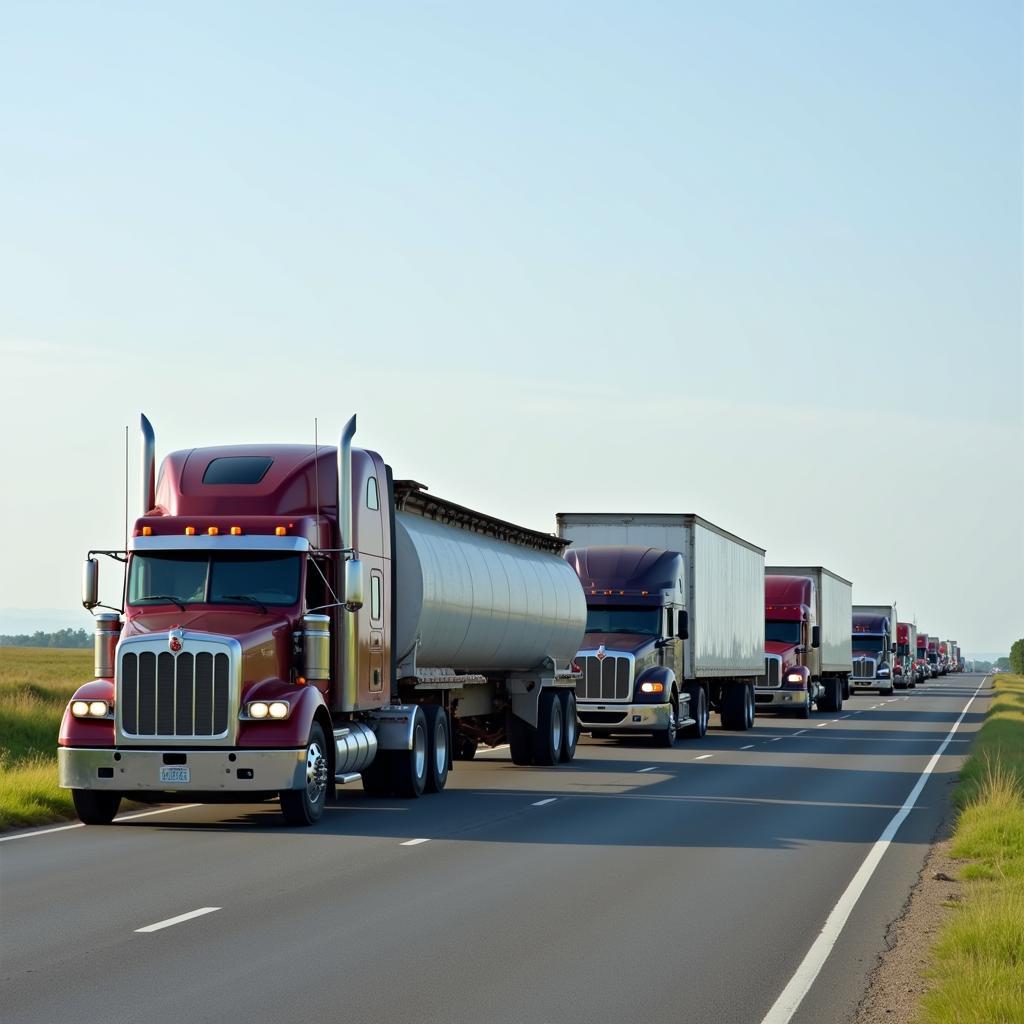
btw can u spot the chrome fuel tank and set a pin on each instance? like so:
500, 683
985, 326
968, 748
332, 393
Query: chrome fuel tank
476, 603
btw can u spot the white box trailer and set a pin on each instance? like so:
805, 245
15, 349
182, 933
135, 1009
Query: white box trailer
834, 600
719, 596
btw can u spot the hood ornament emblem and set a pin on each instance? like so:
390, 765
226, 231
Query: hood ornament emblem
175, 639
601, 655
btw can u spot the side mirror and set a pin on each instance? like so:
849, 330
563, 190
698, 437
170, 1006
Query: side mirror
91, 583
683, 624
353, 585
815, 636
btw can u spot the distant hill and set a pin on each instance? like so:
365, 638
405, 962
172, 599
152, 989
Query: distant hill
75, 638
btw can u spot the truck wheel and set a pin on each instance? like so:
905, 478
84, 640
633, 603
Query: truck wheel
699, 713
570, 725
410, 768
463, 748
547, 747
804, 711
667, 736
832, 695
846, 689
737, 707
439, 736
95, 806
520, 739
305, 806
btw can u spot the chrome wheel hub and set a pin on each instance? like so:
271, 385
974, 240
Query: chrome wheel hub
316, 772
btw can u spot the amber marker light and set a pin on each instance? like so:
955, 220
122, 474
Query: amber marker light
279, 531
190, 531
147, 531
212, 531
652, 687
236, 531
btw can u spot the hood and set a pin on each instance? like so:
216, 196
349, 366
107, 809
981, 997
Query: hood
784, 650
623, 643
265, 637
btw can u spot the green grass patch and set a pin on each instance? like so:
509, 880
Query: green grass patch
978, 961
35, 686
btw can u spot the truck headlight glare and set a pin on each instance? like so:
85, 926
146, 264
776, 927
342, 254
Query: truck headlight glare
80, 709
278, 709
90, 708
98, 708
258, 709
652, 687
794, 677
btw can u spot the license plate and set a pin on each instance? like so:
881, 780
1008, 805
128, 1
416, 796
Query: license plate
175, 773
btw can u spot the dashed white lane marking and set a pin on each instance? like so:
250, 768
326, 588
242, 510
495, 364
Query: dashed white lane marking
78, 824
749, 746
177, 920
810, 967
821, 725
703, 757
848, 716
800, 733
541, 803
414, 842
775, 739
651, 769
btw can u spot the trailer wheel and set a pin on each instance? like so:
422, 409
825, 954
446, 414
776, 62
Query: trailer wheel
410, 768
95, 806
520, 739
306, 806
570, 725
547, 745
439, 735
832, 698
463, 748
667, 736
737, 707
699, 713
846, 688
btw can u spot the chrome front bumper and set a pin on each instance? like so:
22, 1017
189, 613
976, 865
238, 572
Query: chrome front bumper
250, 771
627, 717
779, 698
872, 684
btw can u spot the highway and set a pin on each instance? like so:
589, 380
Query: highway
636, 884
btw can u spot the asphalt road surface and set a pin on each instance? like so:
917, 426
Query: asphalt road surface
636, 884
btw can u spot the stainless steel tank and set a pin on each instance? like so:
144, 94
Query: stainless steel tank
478, 604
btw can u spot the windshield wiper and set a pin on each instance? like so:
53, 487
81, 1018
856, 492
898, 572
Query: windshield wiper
162, 597
246, 597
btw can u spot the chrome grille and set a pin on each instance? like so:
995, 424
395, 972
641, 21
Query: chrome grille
609, 678
772, 677
863, 668
163, 695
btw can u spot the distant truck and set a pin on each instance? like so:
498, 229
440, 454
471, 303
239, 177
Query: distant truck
808, 648
675, 623
933, 657
294, 619
874, 642
904, 672
921, 660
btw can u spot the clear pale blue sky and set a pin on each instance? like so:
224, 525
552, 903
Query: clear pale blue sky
757, 261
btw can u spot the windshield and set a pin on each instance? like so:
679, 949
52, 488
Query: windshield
206, 577
782, 632
867, 644
641, 621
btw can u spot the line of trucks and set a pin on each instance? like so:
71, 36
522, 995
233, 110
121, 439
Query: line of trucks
293, 619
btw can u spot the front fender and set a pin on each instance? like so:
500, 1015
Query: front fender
292, 731
805, 677
88, 732
654, 674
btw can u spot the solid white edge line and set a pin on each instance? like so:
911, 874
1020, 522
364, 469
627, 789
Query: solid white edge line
177, 920
810, 967
78, 824
541, 803
414, 842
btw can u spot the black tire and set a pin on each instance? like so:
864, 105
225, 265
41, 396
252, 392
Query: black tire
570, 725
439, 748
846, 688
377, 777
410, 768
804, 711
832, 699
520, 739
95, 806
736, 700
463, 747
547, 737
667, 736
699, 713
304, 807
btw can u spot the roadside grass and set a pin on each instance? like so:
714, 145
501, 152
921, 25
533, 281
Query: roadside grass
35, 685
978, 960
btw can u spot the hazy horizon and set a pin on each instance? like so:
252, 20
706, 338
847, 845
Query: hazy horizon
761, 264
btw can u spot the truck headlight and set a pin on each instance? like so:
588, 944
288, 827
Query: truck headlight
90, 708
279, 709
262, 709
794, 677
652, 687
259, 709
883, 672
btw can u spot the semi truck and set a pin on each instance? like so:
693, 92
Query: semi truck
293, 618
904, 672
923, 665
874, 642
808, 649
933, 657
675, 623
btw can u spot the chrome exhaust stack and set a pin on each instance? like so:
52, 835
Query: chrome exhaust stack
352, 598
148, 465
105, 637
